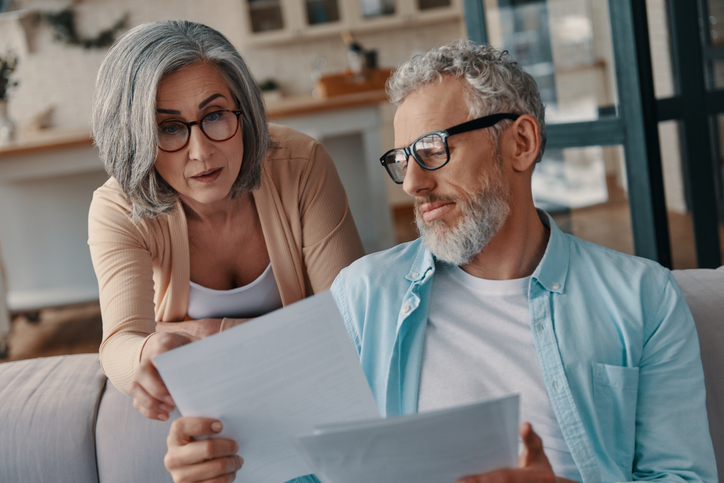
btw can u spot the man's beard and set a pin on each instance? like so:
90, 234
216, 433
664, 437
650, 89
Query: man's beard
483, 214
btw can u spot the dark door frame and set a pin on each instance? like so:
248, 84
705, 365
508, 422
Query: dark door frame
636, 126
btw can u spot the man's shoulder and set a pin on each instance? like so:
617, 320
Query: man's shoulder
587, 250
614, 269
389, 265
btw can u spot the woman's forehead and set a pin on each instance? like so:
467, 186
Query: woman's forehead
192, 84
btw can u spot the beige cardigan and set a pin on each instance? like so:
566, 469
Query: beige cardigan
143, 269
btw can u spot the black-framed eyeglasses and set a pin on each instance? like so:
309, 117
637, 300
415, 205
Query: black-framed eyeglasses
431, 150
174, 135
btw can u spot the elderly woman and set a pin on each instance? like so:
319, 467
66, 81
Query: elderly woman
211, 216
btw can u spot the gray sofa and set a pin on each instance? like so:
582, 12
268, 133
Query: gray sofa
61, 421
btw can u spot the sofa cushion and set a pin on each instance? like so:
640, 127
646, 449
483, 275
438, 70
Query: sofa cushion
130, 447
48, 409
704, 292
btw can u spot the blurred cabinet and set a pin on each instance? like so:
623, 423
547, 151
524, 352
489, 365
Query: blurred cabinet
277, 21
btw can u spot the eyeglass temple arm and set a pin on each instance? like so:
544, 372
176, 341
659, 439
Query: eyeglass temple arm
481, 123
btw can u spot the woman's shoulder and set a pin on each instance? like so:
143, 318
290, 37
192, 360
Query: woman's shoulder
110, 196
290, 144
110, 206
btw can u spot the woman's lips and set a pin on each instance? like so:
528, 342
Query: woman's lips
208, 176
433, 210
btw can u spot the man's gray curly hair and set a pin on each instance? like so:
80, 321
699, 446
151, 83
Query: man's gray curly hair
496, 83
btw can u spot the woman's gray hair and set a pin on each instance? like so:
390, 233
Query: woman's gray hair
497, 84
123, 116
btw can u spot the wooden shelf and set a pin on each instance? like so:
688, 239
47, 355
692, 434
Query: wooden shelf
47, 141
301, 105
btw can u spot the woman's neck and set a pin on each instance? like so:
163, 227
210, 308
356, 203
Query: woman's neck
218, 212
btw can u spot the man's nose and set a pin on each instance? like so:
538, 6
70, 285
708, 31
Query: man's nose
418, 181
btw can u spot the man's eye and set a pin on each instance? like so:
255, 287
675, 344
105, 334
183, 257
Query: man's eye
432, 153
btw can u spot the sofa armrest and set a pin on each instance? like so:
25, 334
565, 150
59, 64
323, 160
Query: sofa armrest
130, 447
48, 409
704, 293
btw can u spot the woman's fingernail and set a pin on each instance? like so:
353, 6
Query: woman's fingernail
239, 462
216, 426
168, 400
162, 416
236, 447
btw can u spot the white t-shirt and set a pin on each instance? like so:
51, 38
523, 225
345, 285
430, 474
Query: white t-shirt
479, 345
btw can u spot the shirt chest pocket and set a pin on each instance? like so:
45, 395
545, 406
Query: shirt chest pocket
615, 391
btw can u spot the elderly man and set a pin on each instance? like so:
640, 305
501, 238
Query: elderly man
494, 299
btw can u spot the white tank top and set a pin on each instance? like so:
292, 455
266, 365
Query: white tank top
257, 298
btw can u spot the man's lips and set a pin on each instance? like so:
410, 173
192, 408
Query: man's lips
432, 210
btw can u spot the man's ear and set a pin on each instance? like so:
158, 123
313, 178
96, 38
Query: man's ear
523, 140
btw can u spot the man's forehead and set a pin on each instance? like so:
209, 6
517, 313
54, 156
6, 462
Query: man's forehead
432, 107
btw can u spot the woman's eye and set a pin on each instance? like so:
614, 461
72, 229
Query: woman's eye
170, 128
214, 116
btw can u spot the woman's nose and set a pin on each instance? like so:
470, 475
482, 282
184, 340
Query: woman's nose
199, 145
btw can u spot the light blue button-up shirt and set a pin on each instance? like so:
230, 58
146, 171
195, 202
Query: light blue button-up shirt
615, 340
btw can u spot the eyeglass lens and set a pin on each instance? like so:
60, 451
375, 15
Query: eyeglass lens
430, 150
217, 126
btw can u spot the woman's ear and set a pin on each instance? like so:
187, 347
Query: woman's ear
524, 142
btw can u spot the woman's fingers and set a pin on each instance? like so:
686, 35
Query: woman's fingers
212, 459
150, 396
149, 378
148, 406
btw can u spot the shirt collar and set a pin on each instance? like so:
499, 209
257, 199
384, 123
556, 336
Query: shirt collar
424, 263
553, 267
551, 272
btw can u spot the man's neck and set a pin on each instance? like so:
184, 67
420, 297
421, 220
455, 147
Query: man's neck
515, 251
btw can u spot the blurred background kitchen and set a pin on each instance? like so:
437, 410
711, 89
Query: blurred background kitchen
322, 65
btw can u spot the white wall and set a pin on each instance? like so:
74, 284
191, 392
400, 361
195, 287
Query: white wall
63, 76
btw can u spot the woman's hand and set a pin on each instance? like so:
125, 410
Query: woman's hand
150, 396
199, 329
212, 459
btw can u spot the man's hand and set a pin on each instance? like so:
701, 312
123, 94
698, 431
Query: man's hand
210, 460
533, 465
150, 396
200, 329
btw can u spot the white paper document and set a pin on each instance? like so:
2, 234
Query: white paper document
435, 447
271, 379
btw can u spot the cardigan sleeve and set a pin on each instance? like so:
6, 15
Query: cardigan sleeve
122, 263
330, 241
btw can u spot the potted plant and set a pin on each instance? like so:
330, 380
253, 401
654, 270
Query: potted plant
270, 90
8, 63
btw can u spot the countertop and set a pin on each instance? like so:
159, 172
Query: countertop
285, 107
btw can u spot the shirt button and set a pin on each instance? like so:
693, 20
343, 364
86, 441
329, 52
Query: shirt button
556, 286
405, 308
415, 275
542, 327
